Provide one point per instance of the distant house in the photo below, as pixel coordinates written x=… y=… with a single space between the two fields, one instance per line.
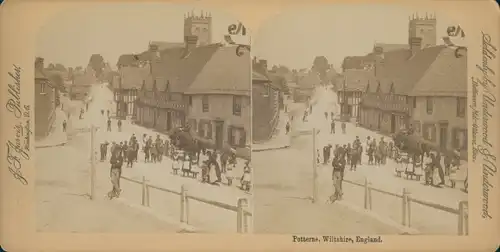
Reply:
x=45 y=101
x=306 y=83
x=350 y=90
x=265 y=103
x=125 y=85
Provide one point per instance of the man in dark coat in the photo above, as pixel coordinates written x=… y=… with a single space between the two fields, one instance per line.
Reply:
x=332 y=127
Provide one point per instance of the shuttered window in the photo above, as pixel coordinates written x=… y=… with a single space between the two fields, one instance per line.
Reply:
x=204 y=103
x=429 y=132
x=236 y=136
x=461 y=106
x=459 y=137
x=429 y=105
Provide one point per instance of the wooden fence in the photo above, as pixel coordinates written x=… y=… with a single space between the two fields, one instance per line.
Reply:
x=461 y=212
x=241 y=207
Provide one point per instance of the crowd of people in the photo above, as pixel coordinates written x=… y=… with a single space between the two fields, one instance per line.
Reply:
x=428 y=160
x=154 y=152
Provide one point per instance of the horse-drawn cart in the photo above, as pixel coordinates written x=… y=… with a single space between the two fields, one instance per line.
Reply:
x=408 y=155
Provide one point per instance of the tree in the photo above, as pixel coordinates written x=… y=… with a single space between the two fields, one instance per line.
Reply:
x=96 y=62
x=51 y=66
x=78 y=69
x=321 y=66
x=60 y=67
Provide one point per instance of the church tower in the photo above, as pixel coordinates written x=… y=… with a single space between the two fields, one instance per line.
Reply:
x=424 y=28
x=200 y=26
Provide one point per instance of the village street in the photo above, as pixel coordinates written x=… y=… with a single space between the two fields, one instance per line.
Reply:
x=204 y=217
x=288 y=173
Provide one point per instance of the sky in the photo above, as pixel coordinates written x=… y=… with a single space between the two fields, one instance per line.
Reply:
x=111 y=30
x=295 y=38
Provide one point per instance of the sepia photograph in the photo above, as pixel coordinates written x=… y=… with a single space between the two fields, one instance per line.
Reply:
x=361 y=126
x=249 y=126
x=142 y=122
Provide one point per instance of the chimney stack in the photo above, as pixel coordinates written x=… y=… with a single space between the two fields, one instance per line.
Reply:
x=415 y=45
x=191 y=42
x=263 y=64
x=39 y=63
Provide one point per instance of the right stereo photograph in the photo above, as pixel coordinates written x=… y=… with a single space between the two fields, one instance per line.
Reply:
x=359 y=123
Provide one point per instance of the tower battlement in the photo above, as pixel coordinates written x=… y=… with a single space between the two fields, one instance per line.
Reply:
x=429 y=17
x=203 y=16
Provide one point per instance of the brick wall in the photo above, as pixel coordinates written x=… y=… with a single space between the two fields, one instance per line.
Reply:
x=44 y=110
x=264 y=110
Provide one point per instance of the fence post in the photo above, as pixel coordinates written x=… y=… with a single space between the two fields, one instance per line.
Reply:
x=366 y=193
x=241 y=224
x=143 y=201
x=369 y=197
x=183 y=203
x=408 y=206
x=404 y=207
x=461 y=217
x=147 y=195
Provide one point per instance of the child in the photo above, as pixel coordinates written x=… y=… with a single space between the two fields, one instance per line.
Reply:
x=246 y=178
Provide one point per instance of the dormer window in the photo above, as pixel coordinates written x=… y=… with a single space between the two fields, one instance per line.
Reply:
x=42 y=88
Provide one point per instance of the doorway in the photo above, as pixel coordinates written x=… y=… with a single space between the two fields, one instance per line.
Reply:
x=169 y=120
x=393 y=123
x=219 y=134
x=443 y=135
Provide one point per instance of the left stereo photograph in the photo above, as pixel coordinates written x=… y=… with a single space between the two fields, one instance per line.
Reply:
x=143 y=121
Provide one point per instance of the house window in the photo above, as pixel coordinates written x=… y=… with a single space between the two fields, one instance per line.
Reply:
x=461 y=106
x=459 y=138
x=429 y=132
x=190 y=101
x=429 y=105
x=205 y=129
x=417 y=127
x=265 y=93
x=237 y=136
x=237 y=105
x=204 y=103
x=192 y=124
x=42 y=88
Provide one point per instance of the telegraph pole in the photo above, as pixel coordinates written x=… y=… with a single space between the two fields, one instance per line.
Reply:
x=315 y=170
x=93 y=130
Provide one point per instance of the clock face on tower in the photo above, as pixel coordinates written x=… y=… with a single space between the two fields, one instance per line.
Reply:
x=195 y=30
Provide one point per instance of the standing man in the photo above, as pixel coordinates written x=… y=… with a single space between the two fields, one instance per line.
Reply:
x=109 y=124
x=437 y=164
x=337 y=178
x=119 y=123
x=115 y=174
x=287 y=127
x=64 y=124
x=332 y=127
x=343 y=126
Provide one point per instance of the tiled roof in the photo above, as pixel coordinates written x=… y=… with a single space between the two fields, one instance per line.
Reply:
x=179 y=68
x=356 y=80
x=131 y=77
x=224 y=73
x=446 y=76
x=163 y=45
x=403 y=74
x=357 y=62
x=128 y=60
x=257 y=77
x=390 y=47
